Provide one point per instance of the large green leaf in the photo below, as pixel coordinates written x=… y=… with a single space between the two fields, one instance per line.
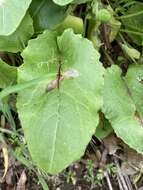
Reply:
x=11 y=14
x=17 y=41
x=59 y=124
x=123 y=104
x=46 y=14
x=62 y=2
x=134 y=23
x=8 y=74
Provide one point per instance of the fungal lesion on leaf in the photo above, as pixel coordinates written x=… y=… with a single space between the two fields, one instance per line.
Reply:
x=69 y=74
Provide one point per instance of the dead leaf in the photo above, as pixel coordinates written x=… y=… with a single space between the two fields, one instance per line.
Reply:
x=22 y=181
x=9 y=177
x=5 y=155
x=132 y=157
x=128 y=169
x=111 y=143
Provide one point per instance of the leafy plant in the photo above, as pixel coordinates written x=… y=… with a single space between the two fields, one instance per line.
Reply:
x=63 y=89
x=133 y=21
x=62 y=109
x=123 y=105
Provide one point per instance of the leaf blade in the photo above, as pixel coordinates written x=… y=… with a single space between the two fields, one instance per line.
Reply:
x=120 y=108
x=64 y=114
x=17 y=41
x=9 y=21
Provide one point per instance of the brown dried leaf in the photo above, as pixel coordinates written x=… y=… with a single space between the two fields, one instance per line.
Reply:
x=132 y=157
x=22 y=181
x=9 y=177
x=111 y=143
x=128 y=169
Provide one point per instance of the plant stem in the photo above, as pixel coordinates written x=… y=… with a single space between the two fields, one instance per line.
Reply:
x=108 y=57
x=131 y=15
x=132 y=32
x=2 y=130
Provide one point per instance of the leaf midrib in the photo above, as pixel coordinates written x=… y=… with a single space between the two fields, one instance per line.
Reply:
x=56 y=132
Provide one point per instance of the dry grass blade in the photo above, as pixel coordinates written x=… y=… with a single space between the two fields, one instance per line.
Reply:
x=5 y=155
x=108 y=181
x=22 y=181
x=123 y=183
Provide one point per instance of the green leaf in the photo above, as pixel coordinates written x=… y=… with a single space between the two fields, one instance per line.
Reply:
x=93 y=33
x=134 y=23
x=11 y=14
x=123 y=104
x=65 y=118
x=17 y=41
x=46 y=14
x=8 y=74
x=76 y=23
x=114 y=24
x=130 y=51
x=62 y=2
x=104 y=127
x=103 y=15
x=80 y=1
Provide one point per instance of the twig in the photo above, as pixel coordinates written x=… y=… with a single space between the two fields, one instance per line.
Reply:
x=119 y=182
x=128 y=182
x=108 y=180
x=125 y=187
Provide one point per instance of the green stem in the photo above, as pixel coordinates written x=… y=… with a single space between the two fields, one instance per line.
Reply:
x=43 y=182
x=131 y=32
x=131 y=15
x=108 y=57
x=2 y=130
x=24 y=85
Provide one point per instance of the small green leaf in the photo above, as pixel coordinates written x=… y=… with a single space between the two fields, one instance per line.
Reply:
x=76 y=23
x=103 y=15
x=104 y=127
x=64 y=118
x=131 y=52
x=11 y=14
x=94 y=33
x=114 y=25
x=46 y=14
x=8 y=74
x=17 y=41
x=123 y=104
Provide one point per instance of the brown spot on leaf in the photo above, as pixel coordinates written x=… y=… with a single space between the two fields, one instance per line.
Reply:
x=72 y=73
